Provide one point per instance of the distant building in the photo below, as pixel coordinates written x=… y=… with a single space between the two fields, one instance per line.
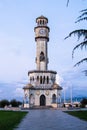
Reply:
x=42 y=89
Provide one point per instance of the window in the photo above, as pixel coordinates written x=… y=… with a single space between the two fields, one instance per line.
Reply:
x=40 y=79
x=54 y=98
x=33 y=78
x=40 y=22
x=42 y=58
x=44 y=80
x=47 y=80
x=37 y=78
x=43 y=22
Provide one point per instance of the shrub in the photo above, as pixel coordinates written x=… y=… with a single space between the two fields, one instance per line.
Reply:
x=83 y=102
x=15 y=103
x=4 y=103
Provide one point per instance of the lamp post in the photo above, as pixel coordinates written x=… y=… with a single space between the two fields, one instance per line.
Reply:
x=64 y=96
x=71 y=94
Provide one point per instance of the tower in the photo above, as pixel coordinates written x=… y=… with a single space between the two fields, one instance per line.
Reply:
x=41 y=38
x=42 y=89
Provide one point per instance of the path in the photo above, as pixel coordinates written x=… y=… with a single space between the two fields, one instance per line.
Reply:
x=51 y=120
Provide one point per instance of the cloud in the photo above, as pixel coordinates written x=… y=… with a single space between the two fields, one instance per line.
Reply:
x=76 y=80
x=18 y=92
x=59 y=79
x=1 y=91
x=11 y=90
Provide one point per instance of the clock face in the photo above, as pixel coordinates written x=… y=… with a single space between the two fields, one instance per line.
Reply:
x=42 y=31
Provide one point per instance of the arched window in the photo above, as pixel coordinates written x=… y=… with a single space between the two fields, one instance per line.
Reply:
x=42 y=58
x=37 y=78
x=47 y=79
x=44 y=80
x=40 y=22
x=33 y=78
x=40 y=79
x=42 y=100
x=54 y=98
x=43 y=22
x=30 y=78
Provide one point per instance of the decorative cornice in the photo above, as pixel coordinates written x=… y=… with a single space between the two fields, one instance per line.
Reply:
x=41 y=37
x=42 y=71
x=33 y=88
x=42 y=27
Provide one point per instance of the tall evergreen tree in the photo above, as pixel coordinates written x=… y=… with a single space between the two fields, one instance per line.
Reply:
x=80 y=33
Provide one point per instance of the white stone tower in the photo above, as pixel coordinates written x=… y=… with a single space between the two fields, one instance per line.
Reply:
x=42 y=89
x=41 y=38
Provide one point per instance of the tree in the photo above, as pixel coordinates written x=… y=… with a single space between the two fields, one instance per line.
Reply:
x=67 y=2
x=81 y=33
x=4 y=103
x=84 y=102
x=15 y=103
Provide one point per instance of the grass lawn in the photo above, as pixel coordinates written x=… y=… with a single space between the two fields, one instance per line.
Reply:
x=80 y=114
x=10 y=119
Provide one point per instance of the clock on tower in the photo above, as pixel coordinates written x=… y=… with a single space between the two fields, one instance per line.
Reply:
x=42 y=30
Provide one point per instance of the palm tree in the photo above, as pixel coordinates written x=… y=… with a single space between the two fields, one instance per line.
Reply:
x=80 y=33
x=67 y=2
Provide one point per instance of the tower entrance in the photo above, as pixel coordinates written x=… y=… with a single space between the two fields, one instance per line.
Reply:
x=42 y=100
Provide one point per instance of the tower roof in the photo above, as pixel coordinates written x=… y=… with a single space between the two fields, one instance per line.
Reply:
x=56 y=86
x=27 y=86
x=42 y=17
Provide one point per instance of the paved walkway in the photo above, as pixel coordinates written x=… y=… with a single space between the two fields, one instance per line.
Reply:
x=51 y=120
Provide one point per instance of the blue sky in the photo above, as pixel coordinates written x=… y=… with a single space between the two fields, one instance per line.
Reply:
x=18 y=48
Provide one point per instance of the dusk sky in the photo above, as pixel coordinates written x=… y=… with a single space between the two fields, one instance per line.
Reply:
x=18 y=47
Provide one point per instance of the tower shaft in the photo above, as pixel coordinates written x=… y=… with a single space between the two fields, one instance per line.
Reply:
x=41 y=54
x=41 y=38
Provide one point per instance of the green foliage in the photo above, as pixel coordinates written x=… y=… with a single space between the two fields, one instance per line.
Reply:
x=83 y=102
x=80 y=33
x=83 y=16
x=63 y=105
x=10 y=119
x=15 y=103
x=80 y=114
x=81 y=61
x=4 y=103
x=67 y=2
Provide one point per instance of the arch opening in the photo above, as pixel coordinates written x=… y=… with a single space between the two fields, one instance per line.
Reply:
x=54 y=98
x=42 y=100
x=42 y=57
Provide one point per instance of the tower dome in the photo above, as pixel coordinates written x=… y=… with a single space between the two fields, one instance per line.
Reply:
x=41 y=21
